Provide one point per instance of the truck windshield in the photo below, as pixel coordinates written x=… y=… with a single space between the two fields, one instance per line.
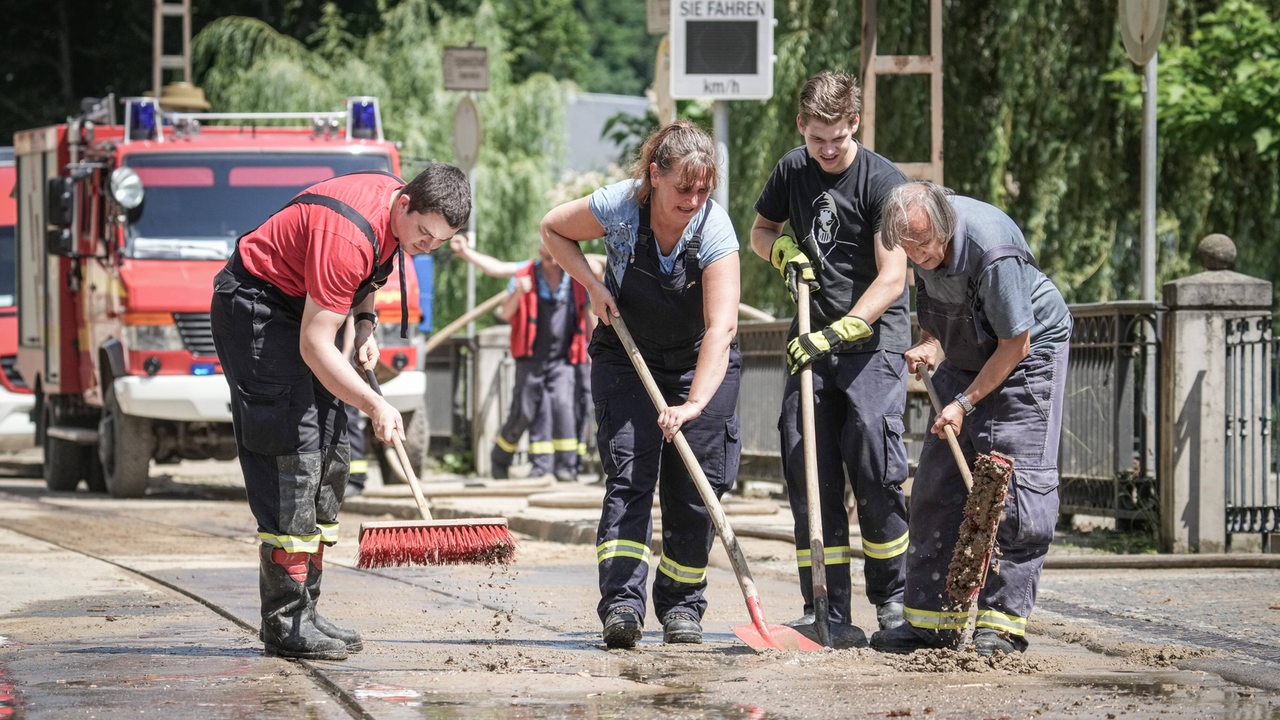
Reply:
x=8 y=273
x=197 y=204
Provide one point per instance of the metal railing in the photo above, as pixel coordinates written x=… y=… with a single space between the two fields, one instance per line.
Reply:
x=1252 y=375
x=1108 y=457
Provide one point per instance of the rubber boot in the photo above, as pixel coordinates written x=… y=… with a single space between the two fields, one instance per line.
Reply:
x=288 y=629
x=350 y=637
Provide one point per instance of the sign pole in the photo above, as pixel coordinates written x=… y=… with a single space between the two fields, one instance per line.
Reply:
x=1149 y=179
x=1141 y=24
x=720 y=117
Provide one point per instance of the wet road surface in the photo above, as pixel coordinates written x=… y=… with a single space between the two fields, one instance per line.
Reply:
x=149 y=607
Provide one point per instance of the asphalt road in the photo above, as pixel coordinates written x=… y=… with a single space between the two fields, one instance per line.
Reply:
x=149 y=607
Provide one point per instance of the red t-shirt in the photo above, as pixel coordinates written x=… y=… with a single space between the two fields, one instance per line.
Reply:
x=312 y=250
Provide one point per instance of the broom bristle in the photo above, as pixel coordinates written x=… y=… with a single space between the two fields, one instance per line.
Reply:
x=485 y=544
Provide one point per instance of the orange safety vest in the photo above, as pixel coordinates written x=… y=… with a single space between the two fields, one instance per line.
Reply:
x=524 y=324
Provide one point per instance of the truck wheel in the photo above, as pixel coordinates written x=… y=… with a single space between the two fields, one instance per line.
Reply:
x=93 y=473
x=417 y=440
x=61 y=457
x=415 y=447
x=124 y=447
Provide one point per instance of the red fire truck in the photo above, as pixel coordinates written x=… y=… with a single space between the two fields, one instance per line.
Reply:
x=121 y=228
x=16 y=428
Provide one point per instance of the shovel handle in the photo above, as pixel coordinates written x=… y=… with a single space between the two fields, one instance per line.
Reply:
x=448 y=330
x=961 y=463
x=813 y=501
x=714 y=508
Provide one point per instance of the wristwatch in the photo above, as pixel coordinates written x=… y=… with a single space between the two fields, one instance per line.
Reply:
x=964 y=403
x=371 y=317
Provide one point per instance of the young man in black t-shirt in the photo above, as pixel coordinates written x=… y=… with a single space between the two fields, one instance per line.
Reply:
x=829 y=191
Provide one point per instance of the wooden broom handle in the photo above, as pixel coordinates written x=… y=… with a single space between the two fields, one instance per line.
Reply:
x=961 y=463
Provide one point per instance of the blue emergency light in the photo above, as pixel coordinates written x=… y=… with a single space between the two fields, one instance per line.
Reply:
x=142 y=118
x=202 y=368
x=364 y=122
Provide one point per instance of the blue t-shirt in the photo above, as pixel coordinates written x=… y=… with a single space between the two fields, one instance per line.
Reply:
x=615 y=208
x=560 y=294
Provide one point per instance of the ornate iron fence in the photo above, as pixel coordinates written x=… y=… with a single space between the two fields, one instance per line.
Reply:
x=1252 y=481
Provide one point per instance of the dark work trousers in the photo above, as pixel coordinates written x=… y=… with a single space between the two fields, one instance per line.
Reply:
x=545 y=407
x=584 y=406
x=858 y=403
x=637 y=460
x=290 y=431
x=544 y=401
x=664 y=312
x=1021 y=419
x=355 y=441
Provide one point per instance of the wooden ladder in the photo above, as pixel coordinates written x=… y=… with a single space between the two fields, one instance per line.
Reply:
x=874 y=65
x=165 y=11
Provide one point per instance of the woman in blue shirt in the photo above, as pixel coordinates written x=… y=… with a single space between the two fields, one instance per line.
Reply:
x=672 y=271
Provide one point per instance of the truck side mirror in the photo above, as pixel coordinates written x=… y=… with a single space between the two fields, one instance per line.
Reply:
x=59 y=197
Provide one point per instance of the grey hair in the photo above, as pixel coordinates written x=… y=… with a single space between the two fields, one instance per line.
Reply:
x=921 y=195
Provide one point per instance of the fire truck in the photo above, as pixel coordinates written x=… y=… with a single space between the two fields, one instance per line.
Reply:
x=16 y=428
x=120 y=230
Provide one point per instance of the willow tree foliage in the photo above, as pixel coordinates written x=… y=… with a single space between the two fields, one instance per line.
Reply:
x=1035 y=123
x=245 y=65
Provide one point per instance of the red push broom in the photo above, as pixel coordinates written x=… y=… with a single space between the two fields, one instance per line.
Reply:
x=474 y=541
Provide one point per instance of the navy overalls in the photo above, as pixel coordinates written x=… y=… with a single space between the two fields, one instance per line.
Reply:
x=1022 y=419
x=665 y=316
x=545 y=401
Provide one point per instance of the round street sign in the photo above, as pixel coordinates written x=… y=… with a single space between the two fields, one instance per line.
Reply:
x=466 y=133
x=1141 y=24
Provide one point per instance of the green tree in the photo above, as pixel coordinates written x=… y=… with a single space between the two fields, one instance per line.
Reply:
x=544 y=36
x=1218 y=104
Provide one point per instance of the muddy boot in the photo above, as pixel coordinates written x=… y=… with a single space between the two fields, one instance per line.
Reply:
x=350 y=637
x=889 y=615
x=287 y=612
x=907 y=638
x=987 y=642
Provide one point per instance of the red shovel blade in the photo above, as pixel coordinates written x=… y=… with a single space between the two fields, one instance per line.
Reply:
x=759 y=635
x=778 y=637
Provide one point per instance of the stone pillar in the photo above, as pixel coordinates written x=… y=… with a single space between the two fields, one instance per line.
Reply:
x=1193 y=396
x=492 y=391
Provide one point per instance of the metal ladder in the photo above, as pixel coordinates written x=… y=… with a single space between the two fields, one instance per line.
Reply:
x=874 y=65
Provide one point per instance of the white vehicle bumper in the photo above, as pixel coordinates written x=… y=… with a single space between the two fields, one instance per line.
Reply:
x=186 y=398
x=406 y=391
x=183 y=398
x=17 y=432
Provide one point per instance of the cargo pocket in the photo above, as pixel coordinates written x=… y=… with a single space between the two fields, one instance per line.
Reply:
x=732 y=456
x=1034 y=508
x=264 y=418
x=895 y=451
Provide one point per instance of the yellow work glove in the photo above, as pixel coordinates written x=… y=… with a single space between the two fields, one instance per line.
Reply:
x=839 y=335
x=792 y=264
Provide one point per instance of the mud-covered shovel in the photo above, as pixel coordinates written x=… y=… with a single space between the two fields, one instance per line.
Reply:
x=759 y=634
x=983 y=509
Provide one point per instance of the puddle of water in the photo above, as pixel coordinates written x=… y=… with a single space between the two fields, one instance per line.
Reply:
x=665 y=706
x=1188 y=692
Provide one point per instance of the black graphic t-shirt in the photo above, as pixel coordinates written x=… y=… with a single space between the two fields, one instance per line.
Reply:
x=841 y=213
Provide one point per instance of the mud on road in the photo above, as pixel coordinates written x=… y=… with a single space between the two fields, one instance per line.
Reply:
x=150 y=607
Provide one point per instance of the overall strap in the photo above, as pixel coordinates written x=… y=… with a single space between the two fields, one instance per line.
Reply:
x=363 y=225
x=360 y=221
x=996 y=253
